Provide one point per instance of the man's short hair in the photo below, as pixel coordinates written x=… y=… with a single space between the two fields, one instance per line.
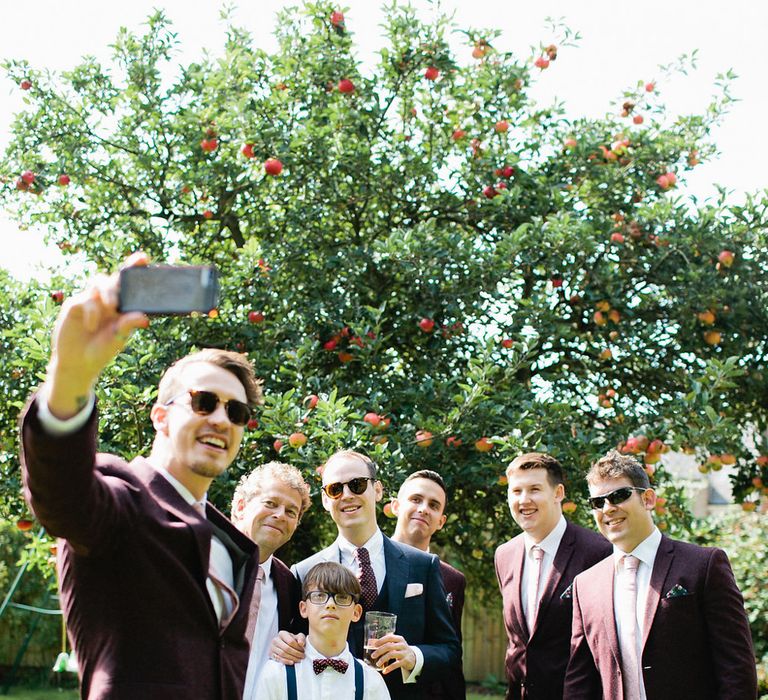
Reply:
x=615 y=465
x=331 y=577
x=351 y=454
x=539 y=460
x=234 y=362
x=426 y=474
x=251 y=485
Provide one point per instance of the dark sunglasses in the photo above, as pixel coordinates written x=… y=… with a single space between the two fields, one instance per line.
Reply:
x=614 y=497
x=205 y=402
x=356 y=486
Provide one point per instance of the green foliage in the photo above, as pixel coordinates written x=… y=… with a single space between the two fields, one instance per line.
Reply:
x=401 y=200
x=743 y=537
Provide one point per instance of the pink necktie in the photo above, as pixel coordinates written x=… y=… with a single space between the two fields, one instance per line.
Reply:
x=630 y=663
x=533 y=586
x=370 y=590
x=253 y=611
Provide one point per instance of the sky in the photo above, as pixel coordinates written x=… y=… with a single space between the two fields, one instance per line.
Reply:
x=621 y=42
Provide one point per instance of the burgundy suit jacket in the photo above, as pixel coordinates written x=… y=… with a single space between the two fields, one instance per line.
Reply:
x=453 y=686
x=696 y=640
x=288 y=595
x=133 y=563
x=536 y=662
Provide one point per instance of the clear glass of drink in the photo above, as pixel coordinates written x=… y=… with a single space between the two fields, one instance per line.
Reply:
x=377 y=625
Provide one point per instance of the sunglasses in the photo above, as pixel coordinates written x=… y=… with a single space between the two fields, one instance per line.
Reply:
x=614 y=497
x=342 y=600
x=205 y=402
x=356 y=486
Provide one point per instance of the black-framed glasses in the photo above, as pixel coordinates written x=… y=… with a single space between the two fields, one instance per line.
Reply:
x=342 y=600
x=205 y=402
x=357 y=486
x=614 y=497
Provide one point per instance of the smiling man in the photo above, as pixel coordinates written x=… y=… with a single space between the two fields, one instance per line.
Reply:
x=535 y=571
x=660 y=619
x=420 y=511
x=267 y=506
x=394 y=578
x=155 y=583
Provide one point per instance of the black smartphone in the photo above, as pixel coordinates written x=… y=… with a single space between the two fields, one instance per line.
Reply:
x=168 y=290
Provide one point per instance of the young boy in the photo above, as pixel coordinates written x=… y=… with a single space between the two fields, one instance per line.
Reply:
x=328 y=670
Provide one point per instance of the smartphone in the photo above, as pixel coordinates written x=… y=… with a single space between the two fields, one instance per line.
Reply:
x=168 y=290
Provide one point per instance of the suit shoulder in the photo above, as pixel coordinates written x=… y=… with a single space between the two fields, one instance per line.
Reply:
x=596 y=571
x=452 y=576
x=412 y=553
x=509 y=546
x=693 y=552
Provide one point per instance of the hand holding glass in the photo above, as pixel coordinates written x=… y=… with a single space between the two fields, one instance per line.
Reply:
x=377 y=625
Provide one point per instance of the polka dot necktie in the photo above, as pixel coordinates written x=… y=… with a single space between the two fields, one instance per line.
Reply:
x=368 y=585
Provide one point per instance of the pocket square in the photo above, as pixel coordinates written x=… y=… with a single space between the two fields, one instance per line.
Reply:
x=676 y=591
x=567 y=594
x=413 y=589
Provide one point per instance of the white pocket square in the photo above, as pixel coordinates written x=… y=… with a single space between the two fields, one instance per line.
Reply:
x=413 y=589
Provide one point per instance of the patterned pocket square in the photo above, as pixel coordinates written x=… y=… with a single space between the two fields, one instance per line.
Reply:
x=676 y=591
x=567 y=594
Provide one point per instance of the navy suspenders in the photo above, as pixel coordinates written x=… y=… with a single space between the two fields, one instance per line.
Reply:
x=290 y=675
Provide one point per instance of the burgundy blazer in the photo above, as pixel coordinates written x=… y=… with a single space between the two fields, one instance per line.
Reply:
x=696 y=640
x=536 y=662
x=452 y=686
x=288 y=595
x=132 y=564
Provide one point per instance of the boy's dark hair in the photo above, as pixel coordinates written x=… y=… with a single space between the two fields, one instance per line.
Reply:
x=428 y=474
x=539 y=460
x=331 y=577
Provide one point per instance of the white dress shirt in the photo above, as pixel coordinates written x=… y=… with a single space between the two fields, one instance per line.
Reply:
x=220 y=559
x=266 y=630
x=549 y=545
x=646 y=553
x=375 y=547
x=328 y=685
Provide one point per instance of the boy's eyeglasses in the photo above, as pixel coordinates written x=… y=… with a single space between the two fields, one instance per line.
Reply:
x=205 y=402
x=356 y=486
x=342 y=600
x=614 y=497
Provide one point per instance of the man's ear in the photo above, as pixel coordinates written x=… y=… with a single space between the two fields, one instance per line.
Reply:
x=357 y=612
x=395 y=506
x=378 y=490
x=159 y=416
x=649 y=499
x=303 y=609
x=326 y=501
x=559 y=493
x=441 y=522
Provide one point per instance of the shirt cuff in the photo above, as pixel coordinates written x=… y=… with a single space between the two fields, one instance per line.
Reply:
x=413 y=676
x=56 y=426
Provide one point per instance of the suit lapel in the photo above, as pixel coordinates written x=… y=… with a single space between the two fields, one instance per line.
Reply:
x=396 y=578
x=604 y=604
x=661 y=566
x=518 y=561
x=559 y=565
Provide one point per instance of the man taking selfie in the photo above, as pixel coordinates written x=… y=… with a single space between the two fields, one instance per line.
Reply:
x=155 y=583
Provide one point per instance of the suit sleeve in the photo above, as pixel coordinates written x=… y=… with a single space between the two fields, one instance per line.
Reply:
x=729 y=635
x=65 y=491
x=582 y=679
x=441 y=647
x=458 y=605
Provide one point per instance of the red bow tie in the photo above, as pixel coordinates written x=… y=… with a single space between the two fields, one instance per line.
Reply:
x=319 y=665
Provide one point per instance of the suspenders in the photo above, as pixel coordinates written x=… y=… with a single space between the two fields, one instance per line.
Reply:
x=290 y=675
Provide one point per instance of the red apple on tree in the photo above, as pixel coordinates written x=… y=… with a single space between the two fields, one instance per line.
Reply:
x=337 y=19
x=501 y=126
x=423 y=438
x=427 y=325
x=649 y=87
x=209 y=145
x=483 y=444
x=25 y=85
x=507 y=343
x=490 y=192
x=346 y=86
x=57 y=296
x=725 y=258
x=63 y=180
x=255 y=316
x=247 y=150
x=24 y=524
x=638 y=119
x=373 y=419
x=277 y=445
x=272 y=166
x=207 y=214
x=431 y=73
x=458 y=134
x=388 y=510
x=253 y=424
x=541 y=63
x=312 y=400
x=297 y=440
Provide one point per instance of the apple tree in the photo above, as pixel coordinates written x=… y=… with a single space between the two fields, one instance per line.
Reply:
x=422 y=262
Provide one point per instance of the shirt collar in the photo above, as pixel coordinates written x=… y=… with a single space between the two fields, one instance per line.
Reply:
x=374 y=545
x=645 y=551
x=311 y=653
x=551 y=542
x=182 y=490
x=267 y=566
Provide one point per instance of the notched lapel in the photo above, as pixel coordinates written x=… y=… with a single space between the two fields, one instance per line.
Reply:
x=396 y=579
x=661 y=566
x=559 y=566
x=518 y=560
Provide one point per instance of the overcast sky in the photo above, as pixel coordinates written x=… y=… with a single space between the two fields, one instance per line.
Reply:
x=622 y=42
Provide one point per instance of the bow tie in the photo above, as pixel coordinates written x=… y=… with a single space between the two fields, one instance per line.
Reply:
x=319 y=665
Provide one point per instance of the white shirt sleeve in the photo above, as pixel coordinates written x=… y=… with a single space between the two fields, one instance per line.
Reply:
x=272 y=683
x=375 y=687
x=57 y=426
x=413 y=676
